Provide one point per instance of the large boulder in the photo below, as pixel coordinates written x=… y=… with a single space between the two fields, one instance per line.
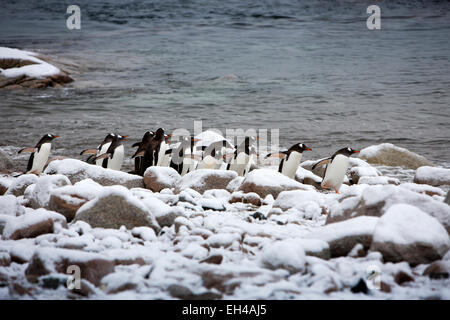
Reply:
x=266 y=181
x=93 y=266
x=390 y=155
x=356 y=173
x=68 y=199
x=21 y=183
x=206 y=179
x=343 y=236
x=37 y=195
x=32 y=224
x=405 y=233
x=158 y=178
x=116 y=206
x=77 y=170
x=432 y=176
x=376 y=200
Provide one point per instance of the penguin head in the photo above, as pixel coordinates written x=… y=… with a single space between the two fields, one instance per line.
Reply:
x=48 y=138
x=300 y=147
x=347 y=151
x=159 y=133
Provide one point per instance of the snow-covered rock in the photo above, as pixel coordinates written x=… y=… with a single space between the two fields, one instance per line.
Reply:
x=68 y=199
x=356 y=173
x=316 y=248
x=235 y=184
x=32 y=224
x=45 y=261
x=423 y=189
x=285 y=254
x=10 y=205
x=206 y=179
x=164 y=214
x=376 y=200
x=37 y=195
x=116 y=206
x=307 y=177
x=251 y=198
x=438 y=270
x=77 y=170
x=405 y=233
x=159 y=178
x=22 y=69
x=432 y=176
x=343 y=236
x=392 y=155
x=372 y=180
x=21 y=183
x=266 y=181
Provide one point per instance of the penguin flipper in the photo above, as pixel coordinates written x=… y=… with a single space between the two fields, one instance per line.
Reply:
x=168 y=151
x=137 y=144
x=88 y=151
x=139 y=153
x=280 y=154
x=27 y=150
x=103 y=156
x=321 y=163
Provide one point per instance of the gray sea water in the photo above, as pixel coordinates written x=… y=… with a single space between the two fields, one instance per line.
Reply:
x=310 y=68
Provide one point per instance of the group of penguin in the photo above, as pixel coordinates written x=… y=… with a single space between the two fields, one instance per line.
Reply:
x=154 y=149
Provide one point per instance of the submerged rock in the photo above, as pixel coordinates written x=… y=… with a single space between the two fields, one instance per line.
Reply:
x=116 y=206
x=432 y=176
x=77 y=170
x=265 y=181
x=390 y=155
x=405 y=233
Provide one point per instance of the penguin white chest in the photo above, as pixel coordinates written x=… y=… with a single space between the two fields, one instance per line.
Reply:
x=239 y=164
x=163 y=158
x=102 y=150
x=208 y=162
x=290 y=165
x=335 y=172
x=40 y=158
x=116 y=161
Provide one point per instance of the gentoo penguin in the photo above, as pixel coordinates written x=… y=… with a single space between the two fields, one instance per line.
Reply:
x=149 y=150
x=242 y=156
x=113 y=157
x=39 y=154
x=163 y=158
x=212 y=154
x=182 y=156
x=101 y=149
x=139 y=154
x=290 y=159
x=336 y=169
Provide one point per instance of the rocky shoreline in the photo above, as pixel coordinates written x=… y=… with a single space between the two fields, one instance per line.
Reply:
x=213 y=235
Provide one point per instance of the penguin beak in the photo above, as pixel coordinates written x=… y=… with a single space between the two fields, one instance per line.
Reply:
x=308 y=149
x=124 y=138
x=355 y=151
x=257 y=138
x=196 y=140
x=54 y=137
